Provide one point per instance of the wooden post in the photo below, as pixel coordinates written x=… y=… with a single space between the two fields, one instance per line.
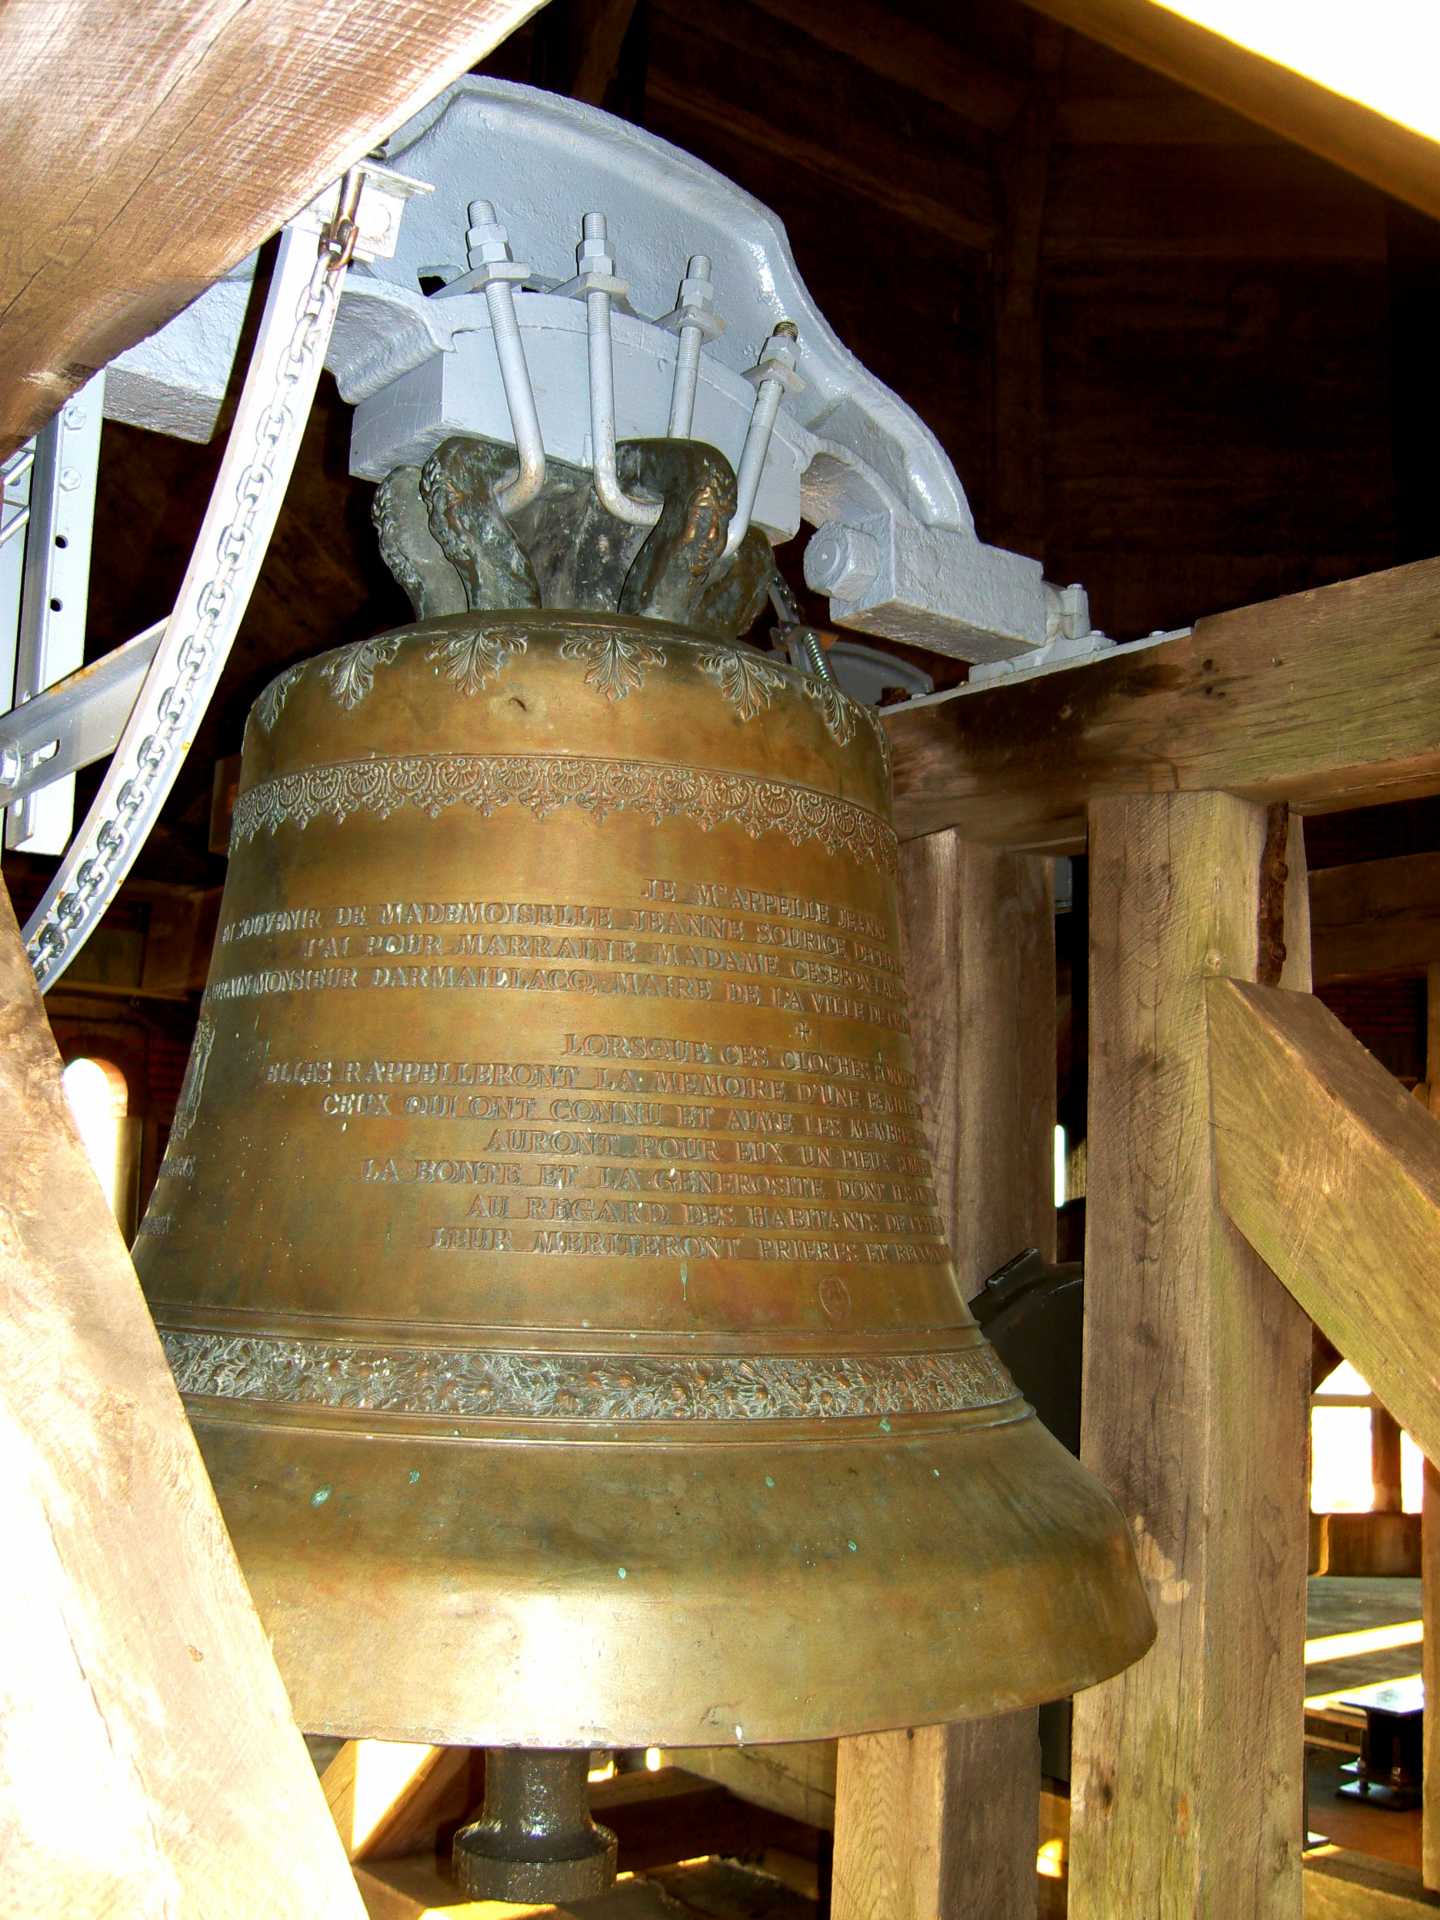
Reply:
x=1430 y=1525
x=1187 y=1773
x=941 y=1823
x=1430 y=1673
x=1385 y=1462
x=148 y=1759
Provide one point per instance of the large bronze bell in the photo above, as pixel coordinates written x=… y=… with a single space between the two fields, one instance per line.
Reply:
x=546 y=1246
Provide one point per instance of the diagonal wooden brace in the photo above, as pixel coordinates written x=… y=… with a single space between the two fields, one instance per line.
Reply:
x=1331 y=1170
x=149 y=1761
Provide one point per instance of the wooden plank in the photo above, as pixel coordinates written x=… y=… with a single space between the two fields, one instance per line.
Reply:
x=1187 y=1769
x=600 y=27
x=944 y=1820
x=899 y=47
x=965 y=220
x=660 y=1818
x=1429 y=1093
x=723 y=1890
x=148 y=1759
x=1382 y=916
x=980 y=966
x=1385 y=1462
x=420 y=1888
x=1327 y=699
x=1209 y=203
x=146 y=149
x=1340 y=1885
x=1331 y=1170
x=416 y=1889
x=1017 y=516
x=387 y=1798
x=902 y=1803
x=797 y=1779
x=1352 y=136
x=1430 y=1674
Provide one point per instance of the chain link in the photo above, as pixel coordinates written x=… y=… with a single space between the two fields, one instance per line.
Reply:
x=71 y=910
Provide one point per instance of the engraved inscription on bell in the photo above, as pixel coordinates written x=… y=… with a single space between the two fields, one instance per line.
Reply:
x=680 y=990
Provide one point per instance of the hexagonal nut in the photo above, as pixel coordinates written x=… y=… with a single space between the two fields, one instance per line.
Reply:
x=695 y=293
x=487 y=241
x=710 y=324
x=841 y=561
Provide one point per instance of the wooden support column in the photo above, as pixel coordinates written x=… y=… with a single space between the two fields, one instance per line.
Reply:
x=1385 y=1462
x=1016 y=516
x=1430 y=1521
x=1187 y=1769
x=149 y=1763
x=941 y=1823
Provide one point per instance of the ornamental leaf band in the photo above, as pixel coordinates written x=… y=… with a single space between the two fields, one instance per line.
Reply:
x=544 y=783
x=269 y=1369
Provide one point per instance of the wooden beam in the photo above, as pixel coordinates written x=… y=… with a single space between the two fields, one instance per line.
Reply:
x=1327 y=699
x=147 y=149
x=1379 y=150
x=942 y=1820
x=577 y=47
x=897 y=46
x=965 y=219
x=1187 y=1770
x=387 y=1799
x=1331 y=1170
x=1017 y=516
x=671 y=1815
x=1381 y=916
x=1430 y=1674
x=418 y=1889
x=607 y=22
x=1429 y=1093
x=1385 y=1469
x=1340 y=1885
x=797 y=1779
x=980 y=966
x=148 y=1758
x=1337 y=1884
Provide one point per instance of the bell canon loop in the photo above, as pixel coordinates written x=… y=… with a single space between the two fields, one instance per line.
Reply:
x=546 y=1245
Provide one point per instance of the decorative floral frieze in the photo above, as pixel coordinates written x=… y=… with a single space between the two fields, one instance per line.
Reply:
x=480 y=1383
x=433 y=782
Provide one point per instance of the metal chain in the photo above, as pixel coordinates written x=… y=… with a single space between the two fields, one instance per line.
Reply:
x=52 y=931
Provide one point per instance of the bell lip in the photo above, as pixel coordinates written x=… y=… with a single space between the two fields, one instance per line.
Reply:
x=1028 y=1592
x=975 y=1707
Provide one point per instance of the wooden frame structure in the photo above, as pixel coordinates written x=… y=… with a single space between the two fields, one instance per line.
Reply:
x=1241 y=1139
x=1248 y=1159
